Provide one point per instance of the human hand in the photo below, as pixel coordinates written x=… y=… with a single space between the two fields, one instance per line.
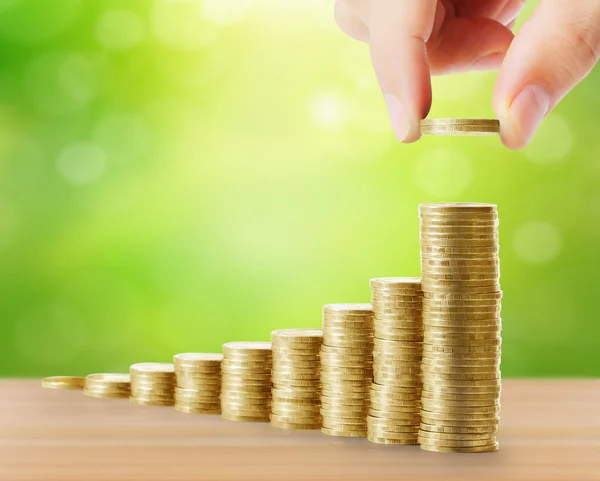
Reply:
x=410 y=40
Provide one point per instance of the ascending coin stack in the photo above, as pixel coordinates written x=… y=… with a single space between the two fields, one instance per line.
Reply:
x=394 y=414
x=108 y=385
x=346 y=368
x=246 y=381
x=461 y=316
x=198 y=389
x=296 y=376
x=153 y=384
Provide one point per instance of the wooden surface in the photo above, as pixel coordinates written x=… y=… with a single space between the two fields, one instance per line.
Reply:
x=549 y=430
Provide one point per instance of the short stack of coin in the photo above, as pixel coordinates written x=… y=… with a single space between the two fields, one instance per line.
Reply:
x=153 y=384
x=462 y=326
x=246 y=381
x=108 y=385
x=69 y=383
x=346 y=368
x=394 y=414
x=296 y=376
x=198 y=389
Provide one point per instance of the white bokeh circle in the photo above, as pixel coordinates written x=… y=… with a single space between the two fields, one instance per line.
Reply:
x=537 y=242
x=328 y=109
x=82 y=163
x=444 y=173
x=119 y=29
x=552 y=141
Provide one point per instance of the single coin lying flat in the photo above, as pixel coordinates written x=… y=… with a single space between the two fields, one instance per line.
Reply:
x=63 y=382
x=460 y=126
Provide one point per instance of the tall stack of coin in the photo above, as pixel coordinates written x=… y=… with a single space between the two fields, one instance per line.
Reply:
x=246 y=381
x=198 y=389
x=398 y=345
x=108 y=385
x=296 y=378
x=346 y=368
x=461 y=317
x=153 y=384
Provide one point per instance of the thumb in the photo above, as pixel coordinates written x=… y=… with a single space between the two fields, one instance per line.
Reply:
x=556 y=49
x=398 y=32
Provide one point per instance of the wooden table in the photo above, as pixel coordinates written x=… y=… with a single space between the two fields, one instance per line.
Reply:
x=550 y=430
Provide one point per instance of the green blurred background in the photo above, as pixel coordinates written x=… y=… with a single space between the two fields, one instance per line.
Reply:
x=176 y=174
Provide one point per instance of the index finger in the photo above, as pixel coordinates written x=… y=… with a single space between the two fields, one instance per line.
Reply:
x=399 y=32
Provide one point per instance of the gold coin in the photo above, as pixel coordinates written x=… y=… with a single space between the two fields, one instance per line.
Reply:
x=346 y=412
x=460 y=414
x=106 y=394
x=453 y=127
x=478 y=449
x=298 y=335
x=295 y=409
x=345 y=309
x=457 y=208
x=412 y=417
x=454 y=298
x=294 y=393
x=252 y=419
x=225 y=388
x=399 y=337
x=195 y=410
x=460 y=364
x=459 y=407
x=379 y=440
x=154 y=368
x=453 y=341
x=197 y=359
x=344 y=425
x=490 y=227
x=247 y=348
x=394 y=425
x=279 y=418
x=408 y=283
x=455 y=437
x=343 y=351
x=435 y=428
x=472 y=243
x=414 y=408
x=247 y=413
x=343 y=433
x=345 y=394
x=429 y=438
x=153 y=402
x=296 y=426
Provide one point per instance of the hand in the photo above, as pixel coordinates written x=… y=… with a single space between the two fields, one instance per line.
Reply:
x=410 y=40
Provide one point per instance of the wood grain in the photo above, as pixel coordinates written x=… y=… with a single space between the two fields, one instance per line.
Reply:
x=549 y=430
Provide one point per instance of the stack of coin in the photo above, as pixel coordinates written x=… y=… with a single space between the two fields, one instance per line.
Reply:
x=153 y=384
x=246 y=381
x=346 y=368
x=461 y=317
x=296 y=389
x=198 y=389
x=398 y=345
x=108 y=385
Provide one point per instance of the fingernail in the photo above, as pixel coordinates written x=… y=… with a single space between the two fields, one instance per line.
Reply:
x=528 y=109
x=510 y=11
x=398 y=117
x=493 y=61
